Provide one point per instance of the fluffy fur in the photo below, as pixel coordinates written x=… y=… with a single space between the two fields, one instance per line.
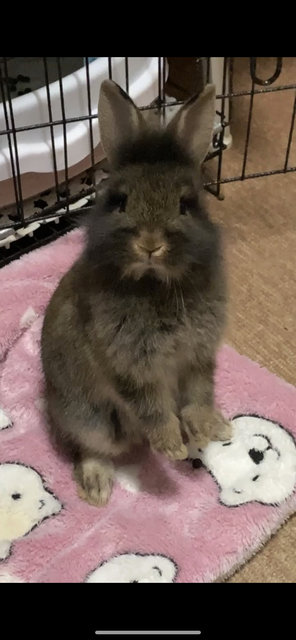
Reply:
x=130 y=336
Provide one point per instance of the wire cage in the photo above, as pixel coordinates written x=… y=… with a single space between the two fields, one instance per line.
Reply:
x=51 y=160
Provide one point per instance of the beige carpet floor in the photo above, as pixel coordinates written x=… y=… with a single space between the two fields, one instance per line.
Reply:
x=258 y=218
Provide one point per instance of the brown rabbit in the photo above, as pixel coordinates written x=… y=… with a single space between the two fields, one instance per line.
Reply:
x=130 y=335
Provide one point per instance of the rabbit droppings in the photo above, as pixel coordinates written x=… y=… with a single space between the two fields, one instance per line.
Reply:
x=131 y=333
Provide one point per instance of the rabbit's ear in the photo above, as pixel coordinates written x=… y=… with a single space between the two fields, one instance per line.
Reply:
x=193 y=124
x=119 y=118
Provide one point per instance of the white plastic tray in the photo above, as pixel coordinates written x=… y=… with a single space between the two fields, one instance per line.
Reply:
x=34 y=146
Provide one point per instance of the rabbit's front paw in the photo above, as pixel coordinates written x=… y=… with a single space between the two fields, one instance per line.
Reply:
x=221 y=427
x=94 y=478
x=203 y=424
x=168 y=440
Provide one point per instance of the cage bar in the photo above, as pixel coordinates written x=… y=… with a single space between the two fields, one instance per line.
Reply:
x=54 y=158
x=91 y=137
x=8 y=133
x=290 y=134
x=253 y=76
x=64 y=124
x=20 y=204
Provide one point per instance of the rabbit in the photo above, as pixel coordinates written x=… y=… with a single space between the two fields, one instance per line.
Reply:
x=130 y=335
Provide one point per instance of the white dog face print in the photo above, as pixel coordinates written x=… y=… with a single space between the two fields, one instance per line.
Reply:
x=135 y=567
x=257 y=464
x=24 y=503
x=5 y=421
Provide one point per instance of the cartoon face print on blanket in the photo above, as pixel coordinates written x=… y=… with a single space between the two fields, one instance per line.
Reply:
x=24 y=503
x=257 y=464
x=5 y=421
x=135 y=567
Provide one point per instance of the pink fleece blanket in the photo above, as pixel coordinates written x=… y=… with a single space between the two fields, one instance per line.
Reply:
x=165 y=522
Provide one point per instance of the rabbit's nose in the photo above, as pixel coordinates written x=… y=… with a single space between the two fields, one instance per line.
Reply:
x=151 y=251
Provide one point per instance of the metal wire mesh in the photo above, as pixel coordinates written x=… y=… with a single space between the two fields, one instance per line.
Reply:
x=60 y=180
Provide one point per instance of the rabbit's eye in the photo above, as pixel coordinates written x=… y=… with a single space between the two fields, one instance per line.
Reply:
x=117 y=200
x=123 y=201
x=187 y=204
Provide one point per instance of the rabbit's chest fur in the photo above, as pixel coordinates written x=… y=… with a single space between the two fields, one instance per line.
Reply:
x=152 y=338
x=96 y=334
